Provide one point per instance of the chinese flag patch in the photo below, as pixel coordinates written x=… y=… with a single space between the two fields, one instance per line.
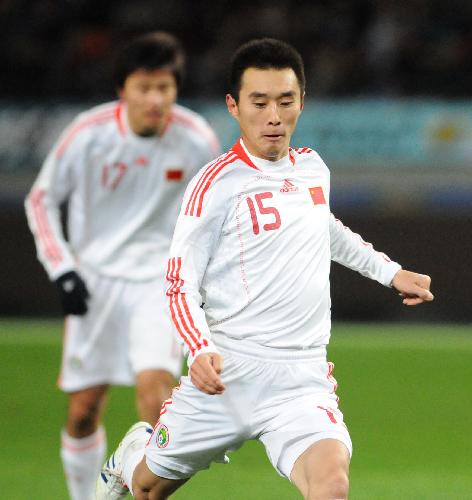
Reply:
x=174 y=175
x=317 y=195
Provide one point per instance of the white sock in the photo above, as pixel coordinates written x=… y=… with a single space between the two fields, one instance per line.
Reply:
x=82 y=459
x=130 y=462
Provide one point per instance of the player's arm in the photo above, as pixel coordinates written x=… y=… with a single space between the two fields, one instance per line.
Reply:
x=350 y=250
x=42 y=204
x=194 y=241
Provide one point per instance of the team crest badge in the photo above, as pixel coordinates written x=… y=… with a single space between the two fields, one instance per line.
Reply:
x=162 y=436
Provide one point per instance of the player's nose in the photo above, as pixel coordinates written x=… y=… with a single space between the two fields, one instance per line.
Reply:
x=273 y=114
x=156 y=99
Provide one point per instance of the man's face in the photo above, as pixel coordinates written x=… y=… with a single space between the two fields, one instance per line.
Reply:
x=150 y=96
x=270 y=103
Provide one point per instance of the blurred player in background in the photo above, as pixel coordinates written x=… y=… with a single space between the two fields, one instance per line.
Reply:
x=249 y=295
x=122 y=167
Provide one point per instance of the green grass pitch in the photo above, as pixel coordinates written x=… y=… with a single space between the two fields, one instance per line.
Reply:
x=405 y=392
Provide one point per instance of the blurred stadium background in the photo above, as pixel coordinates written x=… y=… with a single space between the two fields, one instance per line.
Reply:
x=389 y=108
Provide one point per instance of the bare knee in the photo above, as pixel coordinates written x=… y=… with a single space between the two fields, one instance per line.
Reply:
x=85 y=411
x=333 y=486
x=322 y=471
x=148 y=486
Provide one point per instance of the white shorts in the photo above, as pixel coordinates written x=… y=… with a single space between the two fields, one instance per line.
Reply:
x=288 y=404
x=126 y=330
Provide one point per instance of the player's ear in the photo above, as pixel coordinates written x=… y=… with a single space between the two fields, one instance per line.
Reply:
x=120 y=92
x=232 y=106
x=302 y=101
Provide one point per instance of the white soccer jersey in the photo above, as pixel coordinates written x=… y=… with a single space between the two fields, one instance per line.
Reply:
x=250 y=257
x=124 y=192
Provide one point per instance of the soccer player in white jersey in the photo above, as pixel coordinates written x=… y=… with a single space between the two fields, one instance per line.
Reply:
x=248 y=292
x=123 y=168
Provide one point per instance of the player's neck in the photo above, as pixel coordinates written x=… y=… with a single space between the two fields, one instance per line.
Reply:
x=254 y=154
x=145 y=132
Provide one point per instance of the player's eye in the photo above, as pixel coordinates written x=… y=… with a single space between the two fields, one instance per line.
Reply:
x=286 y=104
x=259 y=104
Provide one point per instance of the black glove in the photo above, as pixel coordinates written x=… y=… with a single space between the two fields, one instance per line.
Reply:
x=73 y=293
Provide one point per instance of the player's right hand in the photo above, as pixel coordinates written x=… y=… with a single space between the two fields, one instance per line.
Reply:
x=205 y=373
x=73 y=293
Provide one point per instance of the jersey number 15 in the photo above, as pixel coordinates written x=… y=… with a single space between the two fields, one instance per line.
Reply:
x=263 y=210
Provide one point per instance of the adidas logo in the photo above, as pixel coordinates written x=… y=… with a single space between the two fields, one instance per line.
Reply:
x=288 y=187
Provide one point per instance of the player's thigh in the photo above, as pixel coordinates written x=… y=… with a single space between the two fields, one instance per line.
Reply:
x=324 y=466
x=153 y=345
x=96 y=345
x=307 y=414
x=153 y=387
x=154 y=382
x=194 y=430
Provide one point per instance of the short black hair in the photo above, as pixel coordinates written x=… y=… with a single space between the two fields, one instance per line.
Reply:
x=156 y=50
x=264 y=53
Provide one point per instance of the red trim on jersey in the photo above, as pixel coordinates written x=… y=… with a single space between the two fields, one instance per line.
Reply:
x=44 y=232
x=119 y=116
x=291 y=156
x=385 y=257
x=184 y=323
x=329 y=413
x=330 y=376
x=180 y=310
x=304 y=150
x=172 y=277
x=100 y=116
x=239 y=150
x=215 y=172
x=163 y=407
x=166 y=126
x=191 y=201
x=204 y=341
x=207 y=177
x=180 y=116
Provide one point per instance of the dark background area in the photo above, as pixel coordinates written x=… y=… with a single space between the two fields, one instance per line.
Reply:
x=61 y=48
x=61 y=52
x=439 y=246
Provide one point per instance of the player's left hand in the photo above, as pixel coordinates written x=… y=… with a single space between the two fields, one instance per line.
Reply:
x=413 y=287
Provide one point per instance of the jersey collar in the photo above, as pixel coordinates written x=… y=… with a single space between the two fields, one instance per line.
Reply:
x=120 y=115
x=240 y=149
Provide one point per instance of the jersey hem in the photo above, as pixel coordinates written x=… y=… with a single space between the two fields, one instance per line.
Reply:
x=253 y=350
